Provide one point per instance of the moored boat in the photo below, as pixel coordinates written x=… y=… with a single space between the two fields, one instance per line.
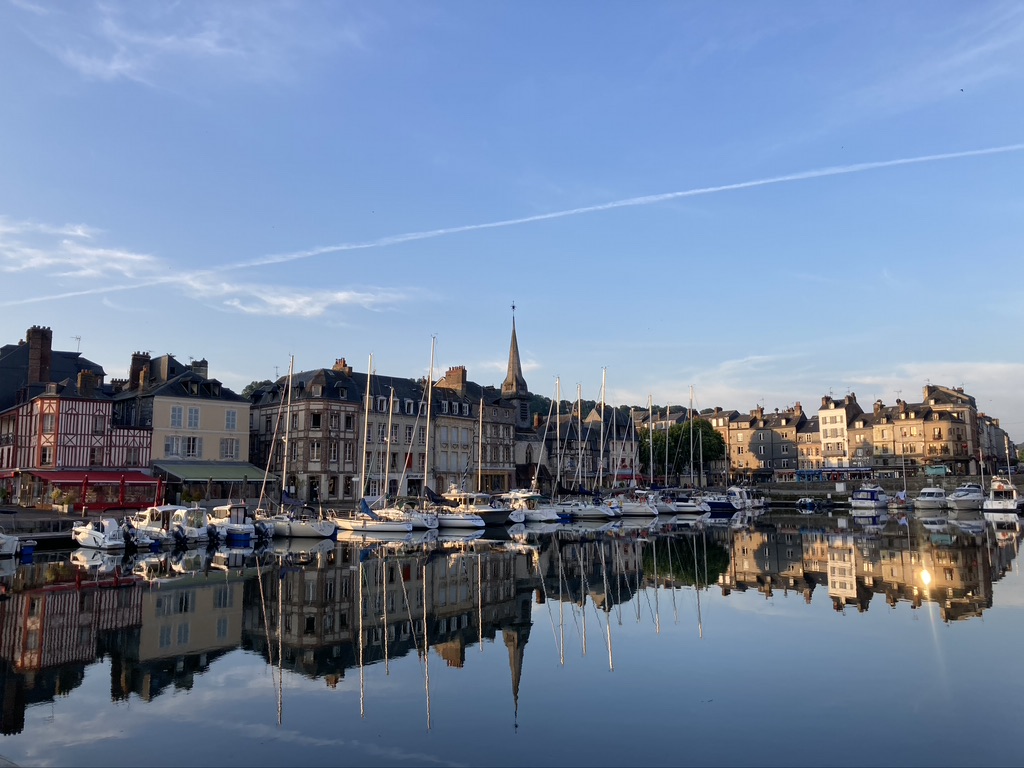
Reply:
x=967 y=496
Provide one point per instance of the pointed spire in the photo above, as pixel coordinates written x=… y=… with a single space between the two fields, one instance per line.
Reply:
x=514 y=384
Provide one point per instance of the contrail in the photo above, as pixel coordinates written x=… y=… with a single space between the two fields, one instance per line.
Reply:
x=839 y=170
x=627 y=203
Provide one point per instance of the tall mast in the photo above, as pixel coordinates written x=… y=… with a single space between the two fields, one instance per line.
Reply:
x=430 y=392
x=366 y=427
x=600 y=465
x=558 y=434
x=668 y=424
x=650 y=432
x=287 y=431
x=689 y=420
x=387 y=443
x=480 y=450
x=579 y=435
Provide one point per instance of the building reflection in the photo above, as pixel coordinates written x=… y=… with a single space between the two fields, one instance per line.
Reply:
x=938 y=564
x=323 y=609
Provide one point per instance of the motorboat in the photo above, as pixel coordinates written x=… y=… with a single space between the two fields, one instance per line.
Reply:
x=1000 y=508
x=192 y=525
x=235 y=525
x=154 y=522
x=806 y=505
x=930 y=498
x=967 y=496
x=302 y=523
x=421 y=519
x=673 y=501
x=489 y=508
x=11 y=545
x=1002 y=496
x=104 y=533
x=535 y=507
x=869 y=496
x=638 y=504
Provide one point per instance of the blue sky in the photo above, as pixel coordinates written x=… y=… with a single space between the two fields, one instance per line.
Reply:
x=767 y=202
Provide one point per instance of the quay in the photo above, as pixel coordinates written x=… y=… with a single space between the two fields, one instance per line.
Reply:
x=50 y=529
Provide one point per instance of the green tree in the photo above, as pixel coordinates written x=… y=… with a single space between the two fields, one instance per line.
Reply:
x=707 y=444
x=252 y=386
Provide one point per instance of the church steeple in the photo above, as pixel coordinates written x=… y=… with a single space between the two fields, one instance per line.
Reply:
x=514 y=386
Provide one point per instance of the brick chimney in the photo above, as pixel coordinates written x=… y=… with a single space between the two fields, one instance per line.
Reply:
x=798 y=410
x=40 y=354
x=201 y=368
x=86 y=384
x=343 y=367
x=878 y=407
x=455 y=379
x=140 y=363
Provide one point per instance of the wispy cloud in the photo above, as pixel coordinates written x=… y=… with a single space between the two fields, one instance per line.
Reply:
x=265 y=301
x=142 y=42
x=985 y=48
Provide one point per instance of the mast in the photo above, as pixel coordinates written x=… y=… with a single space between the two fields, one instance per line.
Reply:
x=689 y=419
x=480 y=450
x=650 y=433
x=387 y=455
x=558 y=434
x=579 y=436
x=600 y=465
x=430 y=392
x=366 y=427
x=287 y=432
x=668 y=424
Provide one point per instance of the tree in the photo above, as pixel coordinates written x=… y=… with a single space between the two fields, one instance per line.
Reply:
x=708 y=445
x=252 y=386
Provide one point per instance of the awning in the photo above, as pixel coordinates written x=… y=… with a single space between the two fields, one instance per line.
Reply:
x=6 y=474
x=103 y=477
x=205 y=471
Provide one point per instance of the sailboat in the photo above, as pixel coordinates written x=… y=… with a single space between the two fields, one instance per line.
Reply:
x=363 y=518
x=288 y=522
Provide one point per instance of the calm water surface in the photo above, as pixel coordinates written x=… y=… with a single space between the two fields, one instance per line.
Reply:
x=795 y=642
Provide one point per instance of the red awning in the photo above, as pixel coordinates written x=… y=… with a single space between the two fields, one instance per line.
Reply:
x=6 y=474
x=95 y=478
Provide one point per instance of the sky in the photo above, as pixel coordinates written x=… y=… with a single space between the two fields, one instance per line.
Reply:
x=765 y=203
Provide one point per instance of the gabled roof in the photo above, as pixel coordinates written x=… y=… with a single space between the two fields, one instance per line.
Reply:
x=14 y=372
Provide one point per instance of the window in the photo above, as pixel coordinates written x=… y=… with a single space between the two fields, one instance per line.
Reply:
x=193 y=447
x=314 y=420
x=266 y=424
x=46 y=456
x=465 y=436
x=230 y=448
x=408 y=407
x=408 y=435
x=350 y=422
x=382 y=404
x=465 y=409
x=193 y=418
x=444 y=406
x=314 y=450
x=183 y=633
x=348 y=453
x=176 y=416
x=172 y=446
x=230 y=420
x=165 y=636
x=132 y=457
x=95 y=457
x=382 y=433
x=49 y=421
x=222 y=628
x=333 y=457
x=421 y=437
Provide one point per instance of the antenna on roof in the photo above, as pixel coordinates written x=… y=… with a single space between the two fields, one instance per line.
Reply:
x=78 y=343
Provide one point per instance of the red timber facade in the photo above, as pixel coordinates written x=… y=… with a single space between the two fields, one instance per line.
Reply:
x=56 y=429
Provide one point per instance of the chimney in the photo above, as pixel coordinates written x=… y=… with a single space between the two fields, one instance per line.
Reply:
x=798 y=410
x=824 y=401
x=86 y=383
x=40 y=354
x=878 y=407
x=201 y=368
x=342 y=367
x=140 y=362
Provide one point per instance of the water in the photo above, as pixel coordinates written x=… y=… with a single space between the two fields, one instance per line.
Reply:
x=580 y=647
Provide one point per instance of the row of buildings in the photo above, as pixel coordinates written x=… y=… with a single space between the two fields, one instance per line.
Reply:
x=69 y=436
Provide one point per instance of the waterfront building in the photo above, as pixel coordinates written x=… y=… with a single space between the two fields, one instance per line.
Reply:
x=58 y=429
x=196 y=428
x=808 y=441
x=834 y=418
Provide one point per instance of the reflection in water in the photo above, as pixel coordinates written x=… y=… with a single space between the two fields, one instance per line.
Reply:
x=324 y=609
